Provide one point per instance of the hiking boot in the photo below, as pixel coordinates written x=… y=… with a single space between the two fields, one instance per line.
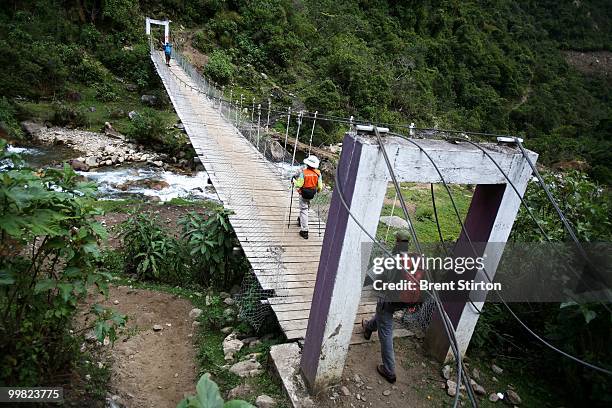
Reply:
x=366 y=333
x=387 y=376
x=304 y=234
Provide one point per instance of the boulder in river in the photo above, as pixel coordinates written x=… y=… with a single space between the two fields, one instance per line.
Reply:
x=31 y=128
x=79 y=165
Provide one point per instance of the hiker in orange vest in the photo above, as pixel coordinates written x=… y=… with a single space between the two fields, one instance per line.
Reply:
x=308 y=182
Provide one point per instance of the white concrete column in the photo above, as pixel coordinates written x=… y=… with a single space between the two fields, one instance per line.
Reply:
x=363 y=179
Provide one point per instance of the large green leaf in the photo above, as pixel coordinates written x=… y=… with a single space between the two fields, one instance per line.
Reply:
x=208 y=393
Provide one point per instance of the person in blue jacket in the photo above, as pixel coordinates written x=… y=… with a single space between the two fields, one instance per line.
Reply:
x=168 y=52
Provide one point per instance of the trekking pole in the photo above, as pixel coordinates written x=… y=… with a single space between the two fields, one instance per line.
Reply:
x=319 y=215
x=290 y=206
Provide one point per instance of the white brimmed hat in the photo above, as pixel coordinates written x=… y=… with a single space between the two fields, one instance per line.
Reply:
x=312 y=161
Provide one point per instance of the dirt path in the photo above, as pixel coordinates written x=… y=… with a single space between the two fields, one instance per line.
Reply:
x=151 y=368
x=418 y=380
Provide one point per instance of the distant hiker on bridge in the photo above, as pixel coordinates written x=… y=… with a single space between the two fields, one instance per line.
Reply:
x=308 y=182
x=168 y=52
x=389 y=303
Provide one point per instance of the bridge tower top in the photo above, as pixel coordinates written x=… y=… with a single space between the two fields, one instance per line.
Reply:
x=165 y=23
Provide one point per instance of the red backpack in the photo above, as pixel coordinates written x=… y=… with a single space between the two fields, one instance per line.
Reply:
x=411 y=296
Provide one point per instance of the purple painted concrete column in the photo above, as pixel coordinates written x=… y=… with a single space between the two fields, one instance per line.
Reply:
x=479 y=225
x=337 y=293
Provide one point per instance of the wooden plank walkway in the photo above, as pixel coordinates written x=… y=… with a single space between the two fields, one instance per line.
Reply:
x=254 y=189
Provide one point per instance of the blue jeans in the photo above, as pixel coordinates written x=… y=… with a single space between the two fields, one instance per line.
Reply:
x=383 y=323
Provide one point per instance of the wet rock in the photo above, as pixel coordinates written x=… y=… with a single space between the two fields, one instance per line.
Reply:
x=264 y=76
x=513 y=397
x=247 y=341
x=240 y=392
x=277 y=151
x=497 y=370
x=150 y=100
x=31 y=128
x=265 y=401
x=195 y=313
x=248 y=368
x=79 y=165
x=158 y=163
x=345 y=391
x=159 y=185
x=91 y=161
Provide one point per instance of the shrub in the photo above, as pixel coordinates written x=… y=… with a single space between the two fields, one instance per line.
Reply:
x=149 y=251
x=200 y=41
x=202 y=254
x=219 y=67
x=105 y=92
x=48 y=249
x=90 y=71
x=64 y=115
x=147 y=127
x=8 y=122
x=209 y=245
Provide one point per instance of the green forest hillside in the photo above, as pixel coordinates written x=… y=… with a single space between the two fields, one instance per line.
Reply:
x=493 y=66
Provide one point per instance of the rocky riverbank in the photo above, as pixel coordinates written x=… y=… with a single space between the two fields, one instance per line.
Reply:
x=106 y=149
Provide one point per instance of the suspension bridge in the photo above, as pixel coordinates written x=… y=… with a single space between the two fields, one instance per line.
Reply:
x=259 y=196
x=310 y=284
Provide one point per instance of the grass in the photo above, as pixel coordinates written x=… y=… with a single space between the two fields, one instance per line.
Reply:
x=124 y=206
x=114 y=110
x=419 y=202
